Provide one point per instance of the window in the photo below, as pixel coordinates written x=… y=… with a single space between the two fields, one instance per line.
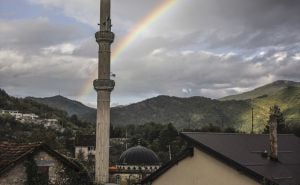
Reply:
x=91 y=148
x=118 y=179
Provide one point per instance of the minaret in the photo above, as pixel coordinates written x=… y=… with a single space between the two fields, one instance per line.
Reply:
x=103 y=85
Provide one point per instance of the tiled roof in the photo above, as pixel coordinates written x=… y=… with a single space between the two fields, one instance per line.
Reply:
x=13 y=153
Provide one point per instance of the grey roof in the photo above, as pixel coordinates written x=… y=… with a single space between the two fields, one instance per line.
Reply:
x=244 y=151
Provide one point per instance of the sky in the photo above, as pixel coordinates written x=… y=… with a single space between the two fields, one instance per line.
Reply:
x=208 y=48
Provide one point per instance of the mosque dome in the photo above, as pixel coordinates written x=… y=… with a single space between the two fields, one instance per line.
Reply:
x=138 y=155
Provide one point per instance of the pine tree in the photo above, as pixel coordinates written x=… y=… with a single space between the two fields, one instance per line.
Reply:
x=276 y=112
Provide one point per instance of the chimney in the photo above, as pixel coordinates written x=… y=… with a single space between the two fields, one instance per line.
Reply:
x=273 y=137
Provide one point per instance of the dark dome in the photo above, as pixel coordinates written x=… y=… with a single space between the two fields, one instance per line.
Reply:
x=138 y=155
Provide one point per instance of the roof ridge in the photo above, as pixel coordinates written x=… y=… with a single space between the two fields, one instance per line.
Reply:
x=224 y=133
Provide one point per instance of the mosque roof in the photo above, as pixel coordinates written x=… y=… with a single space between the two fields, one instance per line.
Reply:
x=139 y=155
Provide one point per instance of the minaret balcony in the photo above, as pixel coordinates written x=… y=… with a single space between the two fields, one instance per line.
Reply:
x=104 y=85
x=105 y=36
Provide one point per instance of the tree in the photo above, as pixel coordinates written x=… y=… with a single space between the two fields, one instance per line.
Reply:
x=275 y=113
x=211 y=128
x=80 y=156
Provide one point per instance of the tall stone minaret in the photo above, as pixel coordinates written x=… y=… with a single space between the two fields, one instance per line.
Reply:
x=103 y=85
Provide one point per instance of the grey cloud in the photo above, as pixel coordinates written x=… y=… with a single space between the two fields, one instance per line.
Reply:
x=37 y=74
x=204 y=73
x=33 y=35
x=198 y=47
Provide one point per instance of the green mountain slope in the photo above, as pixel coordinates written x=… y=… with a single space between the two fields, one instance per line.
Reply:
x=72 y=107
x=285 y=94
x=268 y=89
x=288 y=99
x=196 y=112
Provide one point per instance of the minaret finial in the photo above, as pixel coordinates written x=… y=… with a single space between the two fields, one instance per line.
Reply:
x=105 y=20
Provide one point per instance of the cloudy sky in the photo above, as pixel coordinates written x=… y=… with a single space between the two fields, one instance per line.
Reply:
x=209 y=48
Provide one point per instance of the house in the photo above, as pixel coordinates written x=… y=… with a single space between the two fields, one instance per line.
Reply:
x=30 y=116
x=13 y=113
x=52 y=123
x=85 y=147
x=20 y=162
x=20 y=116
x=235 y=159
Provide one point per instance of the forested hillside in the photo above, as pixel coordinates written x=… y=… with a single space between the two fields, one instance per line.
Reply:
x=197 y=112
x=13 y=130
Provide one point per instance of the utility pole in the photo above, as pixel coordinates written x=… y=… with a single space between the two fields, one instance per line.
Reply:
x=126 y=137
x=252 y=117
x=170 y=153
x=252 y=120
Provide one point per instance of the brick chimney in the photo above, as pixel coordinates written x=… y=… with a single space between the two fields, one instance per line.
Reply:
x=273 y=137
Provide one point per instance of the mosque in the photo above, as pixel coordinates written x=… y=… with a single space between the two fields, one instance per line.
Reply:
x=134 y=164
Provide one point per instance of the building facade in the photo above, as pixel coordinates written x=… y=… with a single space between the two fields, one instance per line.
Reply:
x=20 y=161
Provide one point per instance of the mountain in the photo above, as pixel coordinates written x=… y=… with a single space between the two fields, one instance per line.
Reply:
x=72 y=107
x=196 y=112
x=285 y=94
x=266 y=90
x=193 y=112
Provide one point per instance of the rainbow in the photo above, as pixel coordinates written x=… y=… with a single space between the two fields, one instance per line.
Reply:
x=128 y=39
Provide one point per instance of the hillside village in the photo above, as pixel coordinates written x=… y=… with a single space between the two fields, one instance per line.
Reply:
x=33 y=118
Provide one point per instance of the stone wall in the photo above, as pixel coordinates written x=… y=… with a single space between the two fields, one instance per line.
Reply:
x=44 y=159
x=17 y=175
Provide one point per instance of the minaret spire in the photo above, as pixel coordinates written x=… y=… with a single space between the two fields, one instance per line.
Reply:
x=105 y=21
x=103 y=85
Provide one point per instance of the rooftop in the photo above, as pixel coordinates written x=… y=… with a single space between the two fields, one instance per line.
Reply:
x=245 y=152
x=138 y=155
x=85 y=140
x=13 y=153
